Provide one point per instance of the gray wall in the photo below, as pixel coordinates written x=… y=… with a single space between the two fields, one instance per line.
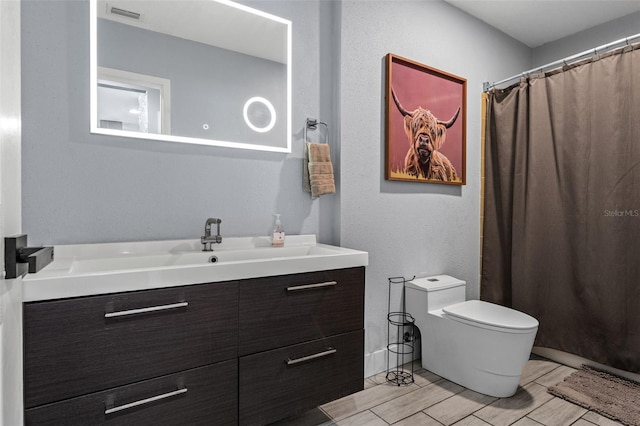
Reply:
x=83 y=188
x=597 y=36
x=411 y=228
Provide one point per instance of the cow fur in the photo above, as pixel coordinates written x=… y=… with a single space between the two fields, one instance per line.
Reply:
x=426 y=136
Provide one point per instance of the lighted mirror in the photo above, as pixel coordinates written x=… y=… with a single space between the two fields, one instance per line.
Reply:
x=210 y=72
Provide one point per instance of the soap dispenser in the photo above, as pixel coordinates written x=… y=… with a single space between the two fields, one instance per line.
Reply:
x=277 y=238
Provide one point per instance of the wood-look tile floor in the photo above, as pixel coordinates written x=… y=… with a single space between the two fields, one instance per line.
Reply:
x=434 y=401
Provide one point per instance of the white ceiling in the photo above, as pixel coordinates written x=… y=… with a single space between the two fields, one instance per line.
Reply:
x=536 y=22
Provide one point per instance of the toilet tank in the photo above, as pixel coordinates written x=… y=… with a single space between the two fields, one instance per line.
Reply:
x=438 y=291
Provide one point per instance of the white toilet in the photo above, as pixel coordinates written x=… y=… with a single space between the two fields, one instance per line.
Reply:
x=479 y=345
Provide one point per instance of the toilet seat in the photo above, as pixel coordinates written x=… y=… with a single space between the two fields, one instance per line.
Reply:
x=489 y=315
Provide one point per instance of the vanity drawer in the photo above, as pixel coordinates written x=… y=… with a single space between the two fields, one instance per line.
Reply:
x=202 y=396
x=284 y=310
x=82 y=345
x=288 y=381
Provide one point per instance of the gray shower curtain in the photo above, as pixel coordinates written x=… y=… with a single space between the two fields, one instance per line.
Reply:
x=562 y=206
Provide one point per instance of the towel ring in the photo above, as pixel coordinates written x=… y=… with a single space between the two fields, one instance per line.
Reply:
x=312 y=124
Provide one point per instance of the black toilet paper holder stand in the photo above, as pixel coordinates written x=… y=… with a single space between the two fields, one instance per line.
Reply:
x=401 y=337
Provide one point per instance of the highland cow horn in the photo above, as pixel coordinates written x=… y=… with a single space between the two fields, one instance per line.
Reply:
x=449 y=123
x=399 y=105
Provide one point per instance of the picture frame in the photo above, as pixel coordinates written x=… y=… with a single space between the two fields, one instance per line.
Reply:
x=425 y=122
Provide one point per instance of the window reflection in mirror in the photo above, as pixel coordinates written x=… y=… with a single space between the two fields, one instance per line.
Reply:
x=123 y=108
x=133 y=102
x=209 y=72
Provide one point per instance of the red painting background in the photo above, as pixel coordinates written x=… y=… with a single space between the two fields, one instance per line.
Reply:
x=416 y=87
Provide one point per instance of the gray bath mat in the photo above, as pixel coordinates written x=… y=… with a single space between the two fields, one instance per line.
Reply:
x=604 y=393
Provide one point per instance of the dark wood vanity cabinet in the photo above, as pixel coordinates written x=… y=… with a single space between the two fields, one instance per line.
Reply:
x=201 y=396
x=287 y=381
x=244 y=352
x=301 y=342
x=154 y=352
x=284 y=310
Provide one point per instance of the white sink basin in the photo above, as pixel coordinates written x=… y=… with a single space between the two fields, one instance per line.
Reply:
x=87 y=269
x=127 y=262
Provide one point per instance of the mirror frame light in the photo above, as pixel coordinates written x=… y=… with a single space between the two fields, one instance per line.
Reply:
x=93 y=81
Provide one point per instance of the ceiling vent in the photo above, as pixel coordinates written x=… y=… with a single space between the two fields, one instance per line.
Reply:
x=124 y=13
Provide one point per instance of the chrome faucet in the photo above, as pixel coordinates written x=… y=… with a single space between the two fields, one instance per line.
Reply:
x=207 y=239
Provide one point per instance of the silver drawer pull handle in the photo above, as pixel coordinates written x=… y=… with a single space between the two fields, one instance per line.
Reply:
x=329 y=351
x=312 y=286
x=145 y=310
x=145 y=401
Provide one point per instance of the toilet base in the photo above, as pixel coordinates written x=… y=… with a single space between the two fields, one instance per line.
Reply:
x=483 y=382
x=483 y=360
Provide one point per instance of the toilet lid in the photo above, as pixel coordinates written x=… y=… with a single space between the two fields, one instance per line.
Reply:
x=491 y=314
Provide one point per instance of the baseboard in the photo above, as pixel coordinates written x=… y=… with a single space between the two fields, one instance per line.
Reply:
x=576 y=361
x=376 y=362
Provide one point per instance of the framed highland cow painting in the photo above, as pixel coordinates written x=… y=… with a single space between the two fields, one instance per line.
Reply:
x=426 y=122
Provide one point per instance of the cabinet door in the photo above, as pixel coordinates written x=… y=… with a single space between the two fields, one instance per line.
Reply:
x=284 y=310
x=77 y=346
x=202 y=396
x=283 y=382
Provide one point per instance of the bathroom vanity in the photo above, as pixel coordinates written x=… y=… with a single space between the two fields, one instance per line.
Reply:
x=171 y=347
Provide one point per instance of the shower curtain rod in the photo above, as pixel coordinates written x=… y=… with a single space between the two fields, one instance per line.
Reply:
x=486 y=86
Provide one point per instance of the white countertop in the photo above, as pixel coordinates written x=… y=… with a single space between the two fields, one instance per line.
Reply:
x=90 y=269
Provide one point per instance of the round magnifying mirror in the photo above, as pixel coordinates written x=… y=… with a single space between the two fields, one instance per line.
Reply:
x=259 y=114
